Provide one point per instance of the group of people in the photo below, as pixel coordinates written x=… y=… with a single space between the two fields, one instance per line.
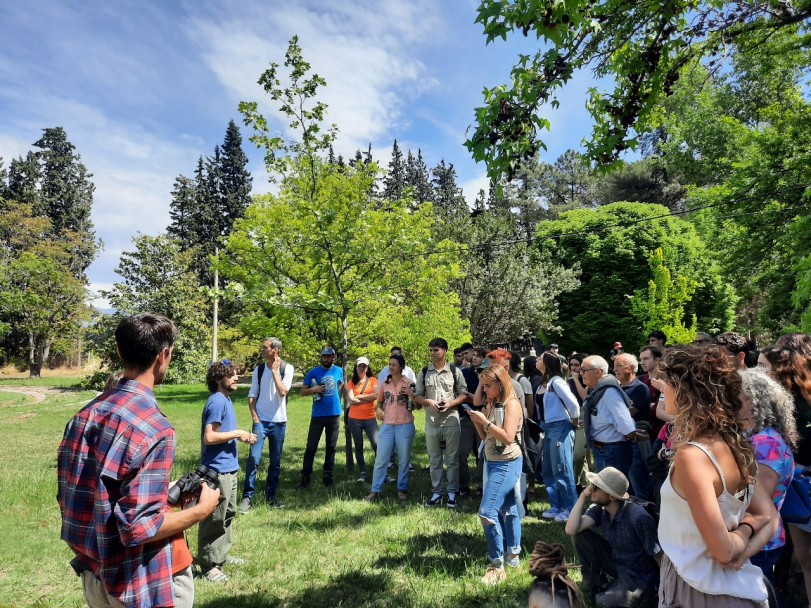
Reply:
x=700 y=440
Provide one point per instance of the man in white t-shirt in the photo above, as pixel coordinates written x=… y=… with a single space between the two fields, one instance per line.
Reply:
x=267 y=401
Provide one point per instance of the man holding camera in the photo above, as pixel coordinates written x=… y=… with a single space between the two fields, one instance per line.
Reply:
x=324 y=383
x=219 y=438
x=113 y=469
x=440 y=388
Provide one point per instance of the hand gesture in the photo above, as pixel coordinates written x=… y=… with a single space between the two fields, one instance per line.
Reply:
x=277 y=363
x=477 y=417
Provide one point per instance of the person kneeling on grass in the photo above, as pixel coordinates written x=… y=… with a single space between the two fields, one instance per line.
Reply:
x=625 y=551
x=499 y=511
x=219 y=438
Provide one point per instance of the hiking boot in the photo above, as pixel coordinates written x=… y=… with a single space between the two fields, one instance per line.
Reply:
x=494 y=575
x=245 y=506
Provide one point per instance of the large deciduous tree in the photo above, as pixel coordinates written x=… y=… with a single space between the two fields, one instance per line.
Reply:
x=641 y=48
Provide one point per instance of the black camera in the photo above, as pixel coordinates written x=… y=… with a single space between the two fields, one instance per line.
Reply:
x=192 y=483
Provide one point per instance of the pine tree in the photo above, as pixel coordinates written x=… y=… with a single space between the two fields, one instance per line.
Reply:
x=418 y=179
x=4 y=190
x=184 y=199
x=395 y=181
x=450 y=207
x=23 y=181
x=236 y=180
x=66 y=192
x=331 y=156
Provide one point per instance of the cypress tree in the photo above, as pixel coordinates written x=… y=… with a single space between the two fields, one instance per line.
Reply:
x=236 y=180
x=23 y=181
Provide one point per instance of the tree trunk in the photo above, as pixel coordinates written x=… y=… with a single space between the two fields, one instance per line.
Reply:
x=38 y=352
x=350 y=458
x=216 y=321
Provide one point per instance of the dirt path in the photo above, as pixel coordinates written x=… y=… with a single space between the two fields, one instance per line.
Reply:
x=39 y=393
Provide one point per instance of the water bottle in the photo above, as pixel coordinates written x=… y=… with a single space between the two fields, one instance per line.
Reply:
x=498 y=406
x=317 y=396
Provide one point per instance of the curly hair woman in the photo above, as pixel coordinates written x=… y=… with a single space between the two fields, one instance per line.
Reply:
x=712 y=516
x=769 y=410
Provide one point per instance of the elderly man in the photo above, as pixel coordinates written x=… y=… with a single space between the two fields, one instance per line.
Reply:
x=606 y=414
x=625 y=366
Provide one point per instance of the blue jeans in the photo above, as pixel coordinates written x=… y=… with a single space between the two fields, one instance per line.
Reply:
x=274 y=433
x=617 y=455
x=558 y=464
x=401 y=435
x=499 y=509
x=639 y=474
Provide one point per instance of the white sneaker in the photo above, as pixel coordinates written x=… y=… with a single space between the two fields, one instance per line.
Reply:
x=551 y=513
x=562 y=516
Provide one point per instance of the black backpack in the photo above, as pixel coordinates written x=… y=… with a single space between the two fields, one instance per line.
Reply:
x=261 y=369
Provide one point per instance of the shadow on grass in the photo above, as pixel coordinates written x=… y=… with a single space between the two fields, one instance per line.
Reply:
x=448 y=551
x=350 y=588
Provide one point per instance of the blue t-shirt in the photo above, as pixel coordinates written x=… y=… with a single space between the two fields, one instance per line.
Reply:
x=222 y=457
x=639 y=394
x=330 y=403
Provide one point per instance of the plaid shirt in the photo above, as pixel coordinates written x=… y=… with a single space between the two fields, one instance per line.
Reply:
x=114 y=463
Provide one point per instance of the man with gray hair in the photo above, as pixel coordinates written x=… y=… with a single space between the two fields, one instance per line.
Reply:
x=267 y=401
x=609 y=427
x=625 y=367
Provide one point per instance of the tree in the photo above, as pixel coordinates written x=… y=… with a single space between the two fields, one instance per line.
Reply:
x=418 y=179
x=641 y=47
x=41 y=297
x=450 y=207
x=23 y=180
x=236 y=179
x=509 y=291
x=613 y=244
x=394 y=182
x=182 y=210
x=319 y=252
x=159 y=276
x=661 y=306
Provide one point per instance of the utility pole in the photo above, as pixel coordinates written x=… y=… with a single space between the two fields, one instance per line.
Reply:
x=214 y=352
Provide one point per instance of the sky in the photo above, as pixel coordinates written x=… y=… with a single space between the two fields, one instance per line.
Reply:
x=144 y=88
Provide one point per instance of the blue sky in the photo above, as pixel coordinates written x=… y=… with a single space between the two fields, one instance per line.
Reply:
x=144 y=88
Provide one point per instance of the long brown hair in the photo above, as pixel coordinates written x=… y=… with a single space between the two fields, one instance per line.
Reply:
x=500 y=375
x=708 y=401
x=790 y=369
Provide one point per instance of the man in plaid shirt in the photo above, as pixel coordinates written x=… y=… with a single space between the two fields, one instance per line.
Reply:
x=113 y=469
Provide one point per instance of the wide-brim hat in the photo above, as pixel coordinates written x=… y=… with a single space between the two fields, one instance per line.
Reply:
x=612 y=481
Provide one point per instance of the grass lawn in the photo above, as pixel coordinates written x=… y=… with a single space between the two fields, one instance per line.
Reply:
x=325 y=548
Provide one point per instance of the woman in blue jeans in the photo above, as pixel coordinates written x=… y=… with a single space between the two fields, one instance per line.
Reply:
x=498 y=510
x=397 y=428
x=558 y=412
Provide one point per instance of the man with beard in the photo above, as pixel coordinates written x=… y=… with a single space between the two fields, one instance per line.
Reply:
x=625 y=551
x=219 y=438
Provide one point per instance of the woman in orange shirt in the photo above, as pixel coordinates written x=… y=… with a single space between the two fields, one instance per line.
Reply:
x=361 y=394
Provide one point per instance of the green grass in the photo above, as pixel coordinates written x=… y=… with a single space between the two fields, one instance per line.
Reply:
x=325 y=548
x=66 y=381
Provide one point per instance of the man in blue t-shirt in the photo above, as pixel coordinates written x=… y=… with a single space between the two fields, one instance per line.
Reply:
x=219 y=436
x=324 y=383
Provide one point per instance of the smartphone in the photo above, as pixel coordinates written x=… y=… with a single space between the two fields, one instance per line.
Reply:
x=467 y=407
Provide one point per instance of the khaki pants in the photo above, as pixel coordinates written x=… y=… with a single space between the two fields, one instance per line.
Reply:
x=580 y=467
x=96 y=596
x=450 y=433
x=214 y=532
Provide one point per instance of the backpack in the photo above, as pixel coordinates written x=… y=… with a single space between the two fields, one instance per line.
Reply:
x=531 y=442
x=261 y=370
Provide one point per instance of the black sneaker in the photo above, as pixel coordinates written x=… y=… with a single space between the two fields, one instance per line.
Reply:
x=464 y=492
x=451 y=504
x=274 y=503
x=305 y=483
x=328 y=483
x=435 y=501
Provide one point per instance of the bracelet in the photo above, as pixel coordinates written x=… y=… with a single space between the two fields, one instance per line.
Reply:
x=488 y=426
x=743 y=523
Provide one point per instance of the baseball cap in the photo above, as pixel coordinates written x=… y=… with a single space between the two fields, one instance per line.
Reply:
x=327 y=350
x=484 y=365
x=363 y=360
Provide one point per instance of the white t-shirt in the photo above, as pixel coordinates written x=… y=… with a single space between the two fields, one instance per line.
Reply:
x=271 y=406
x=384 y=373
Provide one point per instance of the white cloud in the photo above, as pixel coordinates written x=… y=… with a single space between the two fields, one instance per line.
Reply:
x=471 y=187
x=365 y=51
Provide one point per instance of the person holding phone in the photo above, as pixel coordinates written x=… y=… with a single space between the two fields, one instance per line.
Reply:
x=397 y=428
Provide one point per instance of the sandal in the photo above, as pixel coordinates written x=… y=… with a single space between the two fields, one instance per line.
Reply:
x=215 y=575
x=402 y=495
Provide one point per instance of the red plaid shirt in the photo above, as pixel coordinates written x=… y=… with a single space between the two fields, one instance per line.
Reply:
x=114 y=463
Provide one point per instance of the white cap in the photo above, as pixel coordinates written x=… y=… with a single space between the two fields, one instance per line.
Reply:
x=362 y=360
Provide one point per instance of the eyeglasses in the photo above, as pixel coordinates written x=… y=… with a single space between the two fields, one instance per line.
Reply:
x=587 y=369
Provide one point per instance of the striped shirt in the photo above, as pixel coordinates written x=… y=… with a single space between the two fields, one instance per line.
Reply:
x=113 y=478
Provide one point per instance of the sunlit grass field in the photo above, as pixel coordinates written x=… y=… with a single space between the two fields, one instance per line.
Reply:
x=325 y=548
